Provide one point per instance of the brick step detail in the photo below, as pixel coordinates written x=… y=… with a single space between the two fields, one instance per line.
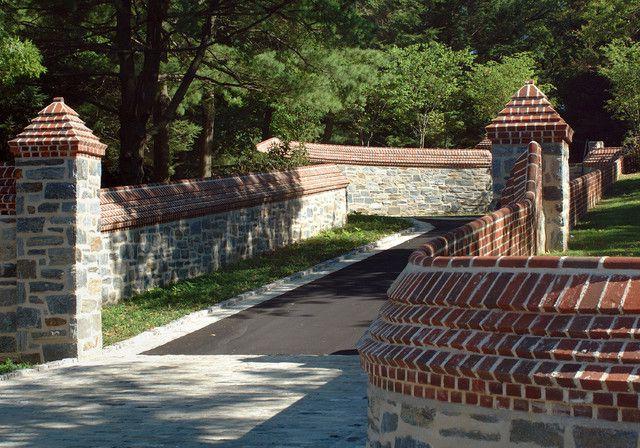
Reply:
x=519 y=346
x=504 y=369
x=582 y=326
x=582 y=293
x=127 y=207
x=604 y=405
x=571 y=324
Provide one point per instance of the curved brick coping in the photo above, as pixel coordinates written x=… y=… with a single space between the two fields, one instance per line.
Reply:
x=513 y=332
x=389 y=156
x=512 y=230
x=126 y=207
x=8 y=175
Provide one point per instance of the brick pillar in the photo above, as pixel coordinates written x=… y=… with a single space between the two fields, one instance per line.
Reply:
x=58 y=236
x=529 y=116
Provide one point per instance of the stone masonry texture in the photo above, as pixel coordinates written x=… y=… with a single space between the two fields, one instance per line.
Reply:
x=418 y=191
x=136 y=259
x=58 y=246
x=399 y=421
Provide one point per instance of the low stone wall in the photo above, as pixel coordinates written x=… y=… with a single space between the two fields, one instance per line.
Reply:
x=418 y=191
x=398 y=420
x=408 y=181
x=8 y=298
x=166 y=233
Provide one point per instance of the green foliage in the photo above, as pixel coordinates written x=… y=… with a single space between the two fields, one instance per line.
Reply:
x=623 y=71
x=488 y=87
x=18 y=58
x=8 y=365
x=160 y=306
x=280 y=157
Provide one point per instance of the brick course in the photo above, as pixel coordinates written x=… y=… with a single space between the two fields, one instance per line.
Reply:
x=548 y=335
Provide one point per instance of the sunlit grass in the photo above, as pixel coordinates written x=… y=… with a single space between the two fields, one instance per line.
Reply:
x=160 y=306
x=613 y=226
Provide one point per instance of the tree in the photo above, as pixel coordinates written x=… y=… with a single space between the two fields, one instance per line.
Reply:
x=425 y=80
x=623 y=71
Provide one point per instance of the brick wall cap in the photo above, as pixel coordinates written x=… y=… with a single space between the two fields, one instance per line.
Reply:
x=390 y=156
x=527 y=116
x=56 y=131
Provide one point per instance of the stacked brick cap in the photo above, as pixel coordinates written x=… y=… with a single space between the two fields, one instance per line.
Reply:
x=528 y=116
x=539 y=334
x=57 y=131
x=8 y=176
x=126 y=207
x=388 y=156
x=600 y=156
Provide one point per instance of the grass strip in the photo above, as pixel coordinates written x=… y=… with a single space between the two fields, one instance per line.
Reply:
x=612 y=227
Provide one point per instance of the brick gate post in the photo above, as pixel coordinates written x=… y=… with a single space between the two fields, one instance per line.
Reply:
x=58 y=236
x=530 y=116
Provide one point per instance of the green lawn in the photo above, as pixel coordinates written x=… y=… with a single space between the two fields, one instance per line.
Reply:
x=160 y=306
x=8 y=365
x=613 y=226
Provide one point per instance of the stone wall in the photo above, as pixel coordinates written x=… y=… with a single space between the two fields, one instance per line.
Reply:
x=136 y=259
x=408 y=181
x=418 y=191
x=401 y=421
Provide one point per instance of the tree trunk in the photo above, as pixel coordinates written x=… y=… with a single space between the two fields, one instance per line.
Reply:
x=138 y=93
x=207 y=141
x=161 y=156
x=328 y=128
x=266 y=123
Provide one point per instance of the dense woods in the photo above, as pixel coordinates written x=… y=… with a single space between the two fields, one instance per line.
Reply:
x=186 y=88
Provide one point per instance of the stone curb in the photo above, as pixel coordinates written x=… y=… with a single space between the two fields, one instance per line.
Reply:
x=191 y=322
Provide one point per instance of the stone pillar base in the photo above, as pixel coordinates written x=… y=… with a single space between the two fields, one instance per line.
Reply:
x=400 y=421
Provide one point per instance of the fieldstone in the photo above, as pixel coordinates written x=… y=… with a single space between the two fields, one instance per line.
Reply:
x=8 y=344
x=28 y=187
x=8 y=322
x=409 y=442
x=30 y=225
x=61 y=256
x=8 y=296
x=389 y=422
x=537 y=433
x=28 y=317
x=54 y=352
x=49 y=207
x=590 y=437
x=26 y=269
x=47 y=173
x=36 y=241
x=45 y=286
x=61 y=304
x=60 y=190
x=472 y=435
x=55 y=321
x=417 y=416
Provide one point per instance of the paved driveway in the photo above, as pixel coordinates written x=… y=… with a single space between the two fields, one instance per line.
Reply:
x=327 y=316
